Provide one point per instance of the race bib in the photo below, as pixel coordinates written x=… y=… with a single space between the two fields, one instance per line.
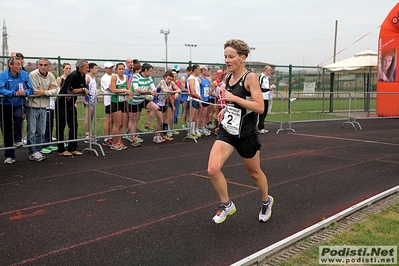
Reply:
x=207 y=91
x=149 y=97
x=231 y=120
x=121 y=98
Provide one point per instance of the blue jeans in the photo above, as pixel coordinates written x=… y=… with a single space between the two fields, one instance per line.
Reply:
x=36 y=119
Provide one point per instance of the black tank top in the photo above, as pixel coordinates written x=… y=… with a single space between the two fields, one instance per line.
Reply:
x=62 y=82
x=238 y=121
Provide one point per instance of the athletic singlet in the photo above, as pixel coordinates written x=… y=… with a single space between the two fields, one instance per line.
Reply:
x=120 y=85
x=221 y=103
x=205 y=87
x=92 y=87
x=238 y=121
x=186 y=80
x=184 y=94
x=137 y=99
x=196 y=86
x=143 y=83
x=211 y=97
x=62 y=82
x=161 y=98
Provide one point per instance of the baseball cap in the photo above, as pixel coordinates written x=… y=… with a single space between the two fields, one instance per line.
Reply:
x=108 y=65
x=176 y=68
x=219 y=72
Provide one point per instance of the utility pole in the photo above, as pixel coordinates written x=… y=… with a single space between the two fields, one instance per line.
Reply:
x=332 y=73
x=335 y=40
x=5 y=51
x=166 y=32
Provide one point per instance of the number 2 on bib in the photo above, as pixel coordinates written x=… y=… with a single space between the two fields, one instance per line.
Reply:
x=231 y=120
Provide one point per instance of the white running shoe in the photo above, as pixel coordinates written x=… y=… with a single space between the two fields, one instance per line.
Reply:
x=18 y=144
x=263 y=131
x=157 y=139
x=222 y=213
x=9 y=160
x=210 y=126
x=204 y=132
x=37 y=156
x=266 y=211
x=198 y=133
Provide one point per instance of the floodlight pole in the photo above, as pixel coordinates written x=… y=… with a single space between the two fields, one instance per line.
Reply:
x=190 y=46
x=250 y=56
x=166 y=32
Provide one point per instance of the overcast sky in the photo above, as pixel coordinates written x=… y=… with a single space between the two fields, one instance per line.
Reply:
x=281 y=31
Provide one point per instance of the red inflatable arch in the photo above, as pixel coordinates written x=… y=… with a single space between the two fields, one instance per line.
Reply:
x=388 y=46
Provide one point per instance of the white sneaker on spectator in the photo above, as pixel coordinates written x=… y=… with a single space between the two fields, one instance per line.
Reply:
x=37 y=156
x=197 y=132
x=18 y=144
x=210 y=126
x=9 y=161
x=204 y=132
x=157 y=139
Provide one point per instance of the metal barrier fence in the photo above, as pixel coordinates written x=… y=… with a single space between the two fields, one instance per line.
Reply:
x=365 y=106
x=315 y=107
x=15 y=133
x=278 y=103
x=303 y=107
x=68 y=119
x=104 y=119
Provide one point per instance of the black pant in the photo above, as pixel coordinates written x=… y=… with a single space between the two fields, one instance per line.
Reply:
x=66 y=113
x=11 y=127
x=262 y=117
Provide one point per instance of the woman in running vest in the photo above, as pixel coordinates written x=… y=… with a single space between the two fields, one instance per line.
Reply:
x=238 y=121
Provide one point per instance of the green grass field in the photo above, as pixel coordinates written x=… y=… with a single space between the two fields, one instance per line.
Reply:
x=376 y=230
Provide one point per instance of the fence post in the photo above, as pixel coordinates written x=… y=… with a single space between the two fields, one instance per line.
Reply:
x=289 y=85
x=331 y=91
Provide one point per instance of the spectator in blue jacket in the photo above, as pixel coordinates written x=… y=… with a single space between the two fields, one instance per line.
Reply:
x=15 y=85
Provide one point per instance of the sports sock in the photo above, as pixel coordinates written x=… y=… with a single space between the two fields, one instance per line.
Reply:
x=227 y=203
x=266 y=203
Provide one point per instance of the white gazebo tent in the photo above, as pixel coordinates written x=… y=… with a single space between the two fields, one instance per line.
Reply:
x=362 y=62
